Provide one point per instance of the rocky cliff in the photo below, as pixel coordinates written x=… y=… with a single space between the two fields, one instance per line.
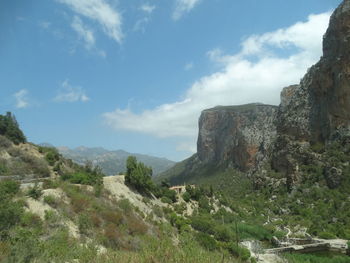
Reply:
x=235 y=135
x=317 y=111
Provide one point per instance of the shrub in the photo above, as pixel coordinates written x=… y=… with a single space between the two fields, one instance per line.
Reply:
x=180 y=208
x=206 y=241
x=51 y=200
x=8 y=189
x=204 y=205
x=166 y=200
x=84 y=223
x=240 y=252
x=179 y=222
x=51 y=217
x=3 y=168
x=4 y=142
x=203 y=224
x=50 y=184
x=253 y=232
x=327 y=235
x=35 y=192
x=10 y=215
x=136 y=226
x=125 y=205
x=52 y=156
x=186 y=197
x=112 y=217
x=29 y=219
x=224 y=233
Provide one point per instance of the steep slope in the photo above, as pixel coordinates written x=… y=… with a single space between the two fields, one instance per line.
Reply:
x=113 y=162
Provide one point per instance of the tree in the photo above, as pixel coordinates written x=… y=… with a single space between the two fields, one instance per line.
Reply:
x=138 y=175
x=10 y=129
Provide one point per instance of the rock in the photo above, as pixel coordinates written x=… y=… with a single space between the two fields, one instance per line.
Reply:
x=235 y=136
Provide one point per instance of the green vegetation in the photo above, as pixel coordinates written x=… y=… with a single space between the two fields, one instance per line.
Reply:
x=87 y=175
x=10 y=128
x=51 y=154
x=35 y=192
x=318 y=258
x=138 y=175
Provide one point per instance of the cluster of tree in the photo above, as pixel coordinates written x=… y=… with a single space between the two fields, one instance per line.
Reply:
x=87 y=174
x=138 y=175
x=10 y=129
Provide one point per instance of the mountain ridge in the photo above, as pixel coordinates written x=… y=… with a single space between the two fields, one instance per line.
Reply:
x=112 y=162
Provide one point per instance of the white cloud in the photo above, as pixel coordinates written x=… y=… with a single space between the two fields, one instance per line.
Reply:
x=265 y=64
x=147 y=8
x=100 y=11
x=189 y=66
x=182 y=7
x=21 y=99
x=68 y=93
x=84 y=32
x=140 y=24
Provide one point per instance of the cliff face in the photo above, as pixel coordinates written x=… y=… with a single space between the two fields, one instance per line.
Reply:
x=311 y=126
x=317 y=111
x=321 y=103
x=236 y=136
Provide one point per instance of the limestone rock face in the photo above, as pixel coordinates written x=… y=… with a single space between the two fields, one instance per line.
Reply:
x=319 y=107
x=236 y=135
x=321 y=103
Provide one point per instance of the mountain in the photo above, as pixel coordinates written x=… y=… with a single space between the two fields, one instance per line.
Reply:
x=310 y=124
x=113 y=162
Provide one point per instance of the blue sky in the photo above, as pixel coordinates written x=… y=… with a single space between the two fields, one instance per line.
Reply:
x=135 y=74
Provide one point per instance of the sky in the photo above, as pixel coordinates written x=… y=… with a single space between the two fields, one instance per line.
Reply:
x=136 y=74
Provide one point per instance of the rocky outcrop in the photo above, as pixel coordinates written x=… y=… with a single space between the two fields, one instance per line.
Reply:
x=319 y=107
x=237 y=136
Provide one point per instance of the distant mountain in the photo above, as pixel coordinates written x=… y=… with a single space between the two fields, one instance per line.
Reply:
x=113 y=162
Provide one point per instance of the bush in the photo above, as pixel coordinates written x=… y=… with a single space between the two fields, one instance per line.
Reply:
x=84 y=223
x=204 y=205
x=35 y=192
x=52 y=156
x=4 y=142
x=179 y=222
x=327 y=235
x=10 y=215
x=206 y=241
x=203 y=224
x=253 y=232
x=29 y=219
x=240 y=252
x=224 y=233
x=8 y=189
x=51 y=201
x=166 y=200
x=186 y=197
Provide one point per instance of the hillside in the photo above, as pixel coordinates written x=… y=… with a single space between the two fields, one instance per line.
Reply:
x=113 y=162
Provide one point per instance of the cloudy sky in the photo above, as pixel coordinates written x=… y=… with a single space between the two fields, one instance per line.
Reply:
x=136 y=74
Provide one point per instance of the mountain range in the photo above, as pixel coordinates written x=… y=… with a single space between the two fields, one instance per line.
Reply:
x=113 y=162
